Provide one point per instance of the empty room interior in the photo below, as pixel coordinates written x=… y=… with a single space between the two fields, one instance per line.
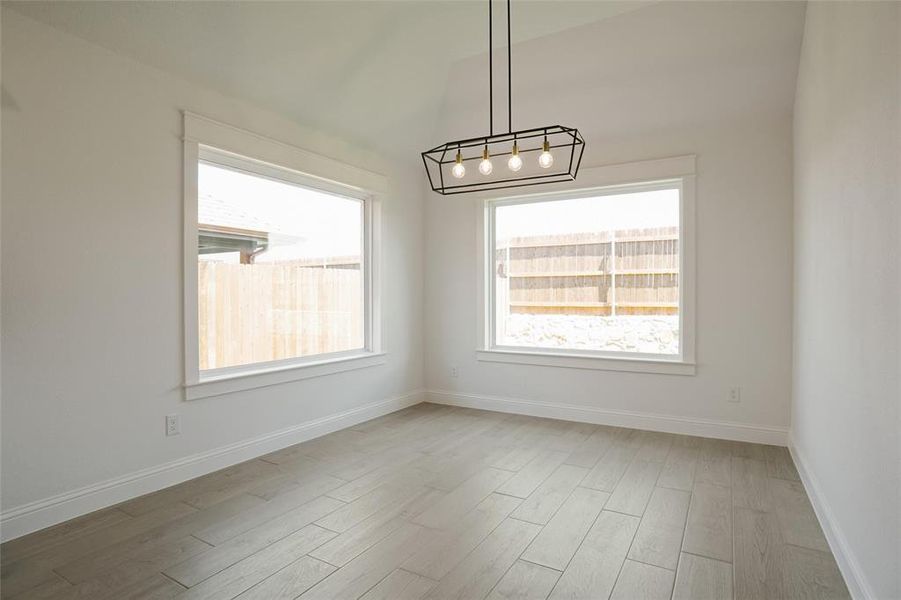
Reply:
x=450 y=299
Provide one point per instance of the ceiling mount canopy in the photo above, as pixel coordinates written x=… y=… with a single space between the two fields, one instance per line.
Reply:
x=547 y=154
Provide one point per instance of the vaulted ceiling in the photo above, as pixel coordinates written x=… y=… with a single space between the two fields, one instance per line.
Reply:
x=377 y=73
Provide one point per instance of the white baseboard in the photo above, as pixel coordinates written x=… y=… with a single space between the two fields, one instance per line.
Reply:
x=857 y=583
x=37 y=515
x=761 y=434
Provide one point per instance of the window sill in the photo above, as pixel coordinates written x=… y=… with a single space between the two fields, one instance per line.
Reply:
x=217 y=385
x=581 y=361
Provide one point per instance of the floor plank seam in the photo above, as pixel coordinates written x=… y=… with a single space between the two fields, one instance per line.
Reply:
x=532 y=562
x=726 y=562
x=202 y=541
x=817 y=550
x=511 y=517
x=178 y=583
x=619 y=512
x=648 y=564
x=61 y=576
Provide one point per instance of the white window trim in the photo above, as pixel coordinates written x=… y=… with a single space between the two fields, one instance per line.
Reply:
x=605 y=179
x=208 y=139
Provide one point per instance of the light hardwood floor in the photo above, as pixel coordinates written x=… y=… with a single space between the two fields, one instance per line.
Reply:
x=440 y=502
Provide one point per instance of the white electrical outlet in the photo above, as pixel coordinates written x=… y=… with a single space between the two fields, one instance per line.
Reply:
x=455 y=372
x=173 y=426
x=735 y=394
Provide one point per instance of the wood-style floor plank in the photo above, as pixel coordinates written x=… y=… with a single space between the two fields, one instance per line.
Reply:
x=708 y=530
x=544 y=501
x=449 y=509
x=343 y=548
x=367 y=505
x=714 y=463
x=281 y=507
x=525 y=581
x=481 y=570
x=611 y=467
x=533 y=474
x=679 y=469
x=634 y=490
x=701 y=578
x=53 y=588
x=812 y=575
x=561 y=537
x=779 y=464
x=750 y=484
x=44 y=540
x=158 y=548
x=400 y=585
x=446 y=548
x=659 y=537
x=797 y=521
x=290 y=582
x=589 y=452
x=366 y=570
x=638 y=580
x=759 y=555
x=655 y=446
x=246 y=573
x=204 y=565
x=593 y=570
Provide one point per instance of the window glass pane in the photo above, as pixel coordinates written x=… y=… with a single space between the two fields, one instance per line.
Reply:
x=599 y=273
x=279 y=272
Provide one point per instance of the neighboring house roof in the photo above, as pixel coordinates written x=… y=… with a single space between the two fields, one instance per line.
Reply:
x=217 y=213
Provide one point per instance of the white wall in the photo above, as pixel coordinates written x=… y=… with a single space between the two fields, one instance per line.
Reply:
x=92 y=283
x=845 y=410
x=667 y=95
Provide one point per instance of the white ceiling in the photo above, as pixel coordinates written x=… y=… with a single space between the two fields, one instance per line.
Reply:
x=358 y=69
x=671 y=67
x=376 y=72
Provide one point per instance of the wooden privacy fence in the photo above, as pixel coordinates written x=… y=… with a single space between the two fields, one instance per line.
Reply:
x=261 y=312
x=625 y=272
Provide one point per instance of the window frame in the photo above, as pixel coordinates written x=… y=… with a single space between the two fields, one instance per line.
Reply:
x=215 y=143
x=677 y=172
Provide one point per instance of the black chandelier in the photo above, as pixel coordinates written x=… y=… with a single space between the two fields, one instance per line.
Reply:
x=450 y=165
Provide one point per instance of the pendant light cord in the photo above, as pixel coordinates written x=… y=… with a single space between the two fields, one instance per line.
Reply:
x=509 y=76
x=490 y=70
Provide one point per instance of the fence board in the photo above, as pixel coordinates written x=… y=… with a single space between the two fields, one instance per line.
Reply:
x=576 y=273
x=263 y=312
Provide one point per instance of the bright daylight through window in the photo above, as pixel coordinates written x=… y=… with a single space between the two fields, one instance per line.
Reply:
x=596 y=274
x=280 y=269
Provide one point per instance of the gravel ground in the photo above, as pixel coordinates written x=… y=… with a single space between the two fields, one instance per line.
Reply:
x=658 y=334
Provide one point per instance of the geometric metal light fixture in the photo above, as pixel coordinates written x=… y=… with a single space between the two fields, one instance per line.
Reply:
x=534 y=156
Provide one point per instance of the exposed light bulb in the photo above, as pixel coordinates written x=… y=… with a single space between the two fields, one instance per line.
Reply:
x=546 y=159
x=485 y=167
x=458 y=169
x=515 y=162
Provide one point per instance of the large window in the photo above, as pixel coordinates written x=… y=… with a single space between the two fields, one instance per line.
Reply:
x=594 y=273
x=279 y=270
